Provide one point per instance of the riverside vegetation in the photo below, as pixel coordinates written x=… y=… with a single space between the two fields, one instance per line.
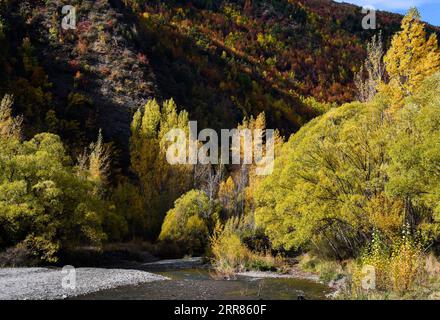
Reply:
x=358 y=185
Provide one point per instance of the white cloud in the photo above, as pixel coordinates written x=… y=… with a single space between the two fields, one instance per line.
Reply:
x=392 y=4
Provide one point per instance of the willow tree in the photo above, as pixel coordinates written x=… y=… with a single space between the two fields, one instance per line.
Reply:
x=323 y=182
x=45 y=206
x=414 y=172
x=354 y=170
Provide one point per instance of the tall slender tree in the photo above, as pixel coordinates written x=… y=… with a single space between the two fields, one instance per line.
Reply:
x=160 y=182
x=9 y=126
x=411 y=58
x=373 y=70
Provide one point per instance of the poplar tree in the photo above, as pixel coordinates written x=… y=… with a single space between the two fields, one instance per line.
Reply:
x=411 y=58
x=227 y=196
x=160 y=182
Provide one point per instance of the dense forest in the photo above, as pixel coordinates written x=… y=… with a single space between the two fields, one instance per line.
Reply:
x=84 y=115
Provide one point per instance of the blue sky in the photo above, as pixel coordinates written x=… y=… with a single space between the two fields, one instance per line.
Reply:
x=429 y=9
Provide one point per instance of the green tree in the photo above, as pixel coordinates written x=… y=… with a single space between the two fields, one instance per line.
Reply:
x=323 y=181
x=355 y=170
x=44 y=204
x=414 y=173
x=189 y=223
x=129 y=204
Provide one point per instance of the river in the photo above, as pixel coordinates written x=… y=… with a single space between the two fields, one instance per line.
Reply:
x=200 y=284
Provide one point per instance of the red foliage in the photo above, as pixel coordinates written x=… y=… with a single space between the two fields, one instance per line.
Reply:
x=84 y=26
x=74 y=64
x=142 y=58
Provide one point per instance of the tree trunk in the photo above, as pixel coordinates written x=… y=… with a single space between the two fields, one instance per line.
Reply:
x=248 y=7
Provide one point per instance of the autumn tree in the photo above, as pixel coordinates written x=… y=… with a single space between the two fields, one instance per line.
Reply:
x=9 y=126
x=318 y=194
x=208 y=177
x=160 y=182
x=227 y=196
x=95 y=163
x=45 y=205
x=411 y=58
x=414 y=173
x=355 y=170
x=245 y=176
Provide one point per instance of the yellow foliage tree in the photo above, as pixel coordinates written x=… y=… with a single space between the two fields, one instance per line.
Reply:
x=246 y=177
x=411 y=58
x=99 y=165
x=160 y=182
x=95 y=164
x=10 y=127
x=227 y=195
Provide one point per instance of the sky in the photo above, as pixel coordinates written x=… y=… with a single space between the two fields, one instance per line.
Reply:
x=429 y=9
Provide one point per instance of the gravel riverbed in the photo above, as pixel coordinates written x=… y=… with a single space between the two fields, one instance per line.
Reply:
x=47 y=283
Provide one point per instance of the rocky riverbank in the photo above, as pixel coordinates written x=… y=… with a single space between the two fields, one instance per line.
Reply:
x=47 y=283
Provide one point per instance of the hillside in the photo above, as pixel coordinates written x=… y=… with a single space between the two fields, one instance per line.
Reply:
x=74 y=82
x=231 y=59
x=220 y=60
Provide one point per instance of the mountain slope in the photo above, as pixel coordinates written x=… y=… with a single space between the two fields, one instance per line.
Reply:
x=220 y=60
x=229 y=59
x=97 y=75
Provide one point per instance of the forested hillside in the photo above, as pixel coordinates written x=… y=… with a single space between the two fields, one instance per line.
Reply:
x=225 y=59
x=74 y=82
x=239 y=58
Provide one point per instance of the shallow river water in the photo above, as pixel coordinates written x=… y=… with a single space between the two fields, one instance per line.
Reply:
x=199 y=284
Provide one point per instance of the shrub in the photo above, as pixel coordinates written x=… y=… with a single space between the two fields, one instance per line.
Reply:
x=407 y=265
x=377 y=255
x=230 y=254
x=398 y=267
x=17 y=256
